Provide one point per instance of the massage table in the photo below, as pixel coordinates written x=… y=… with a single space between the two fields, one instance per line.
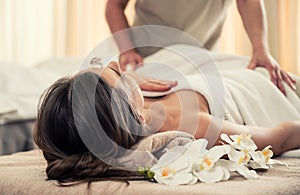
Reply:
x=24 y=173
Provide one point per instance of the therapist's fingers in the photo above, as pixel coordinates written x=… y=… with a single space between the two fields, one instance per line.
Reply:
x=139 y=61
x=162 y=82
x=133 y=63
x=289 y=76
x=288 y=80
x=262 y=58
x=156 y=85
x=252 y=64
x=130 y=58
x=279 y=81
x=170 y=83
x=123 y=61
x=273 y=74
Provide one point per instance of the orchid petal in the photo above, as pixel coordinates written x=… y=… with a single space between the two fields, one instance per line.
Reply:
x=177 y=179
x=234 y=137
x=212 y=175
x=248 y=144
x=226 y=175
x=229 y=165
x=165 y=180
x=243 y=142
x=216 y=152
x=158 y=179
x=244 y=171
x=177 y=161
x=196 y=148
x=235 y=155
x=257 y=165
x=185 y=178
x=177 y=149
x=226 y=138
x=258 y=161
x=277 y=162
x=257 y=156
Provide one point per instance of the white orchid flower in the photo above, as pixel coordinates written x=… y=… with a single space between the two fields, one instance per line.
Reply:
x=262 y=159
x=173 y=169
x=194 y=148
x=194 y=151
x=175 y=166
x=186 y=164
x=240 y=157
x=208 y=169
x=241 y=169
x=240 y=142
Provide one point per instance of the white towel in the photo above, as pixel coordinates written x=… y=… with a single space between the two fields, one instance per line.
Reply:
x=250 y=97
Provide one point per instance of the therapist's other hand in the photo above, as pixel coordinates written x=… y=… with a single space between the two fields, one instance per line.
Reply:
x=262 y=58
x=132 y=58
x=150 y=83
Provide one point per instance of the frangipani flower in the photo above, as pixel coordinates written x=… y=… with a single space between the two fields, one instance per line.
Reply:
x=173 y=169
x=208 y=170
x=240 y=142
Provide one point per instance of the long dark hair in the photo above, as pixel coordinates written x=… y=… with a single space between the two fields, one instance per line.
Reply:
x=56 y=134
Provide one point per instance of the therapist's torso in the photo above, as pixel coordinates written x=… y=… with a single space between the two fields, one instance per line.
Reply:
x=203 y=19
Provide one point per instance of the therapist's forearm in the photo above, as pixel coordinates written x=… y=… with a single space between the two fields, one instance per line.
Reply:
x=255 y=22
x=117 y=21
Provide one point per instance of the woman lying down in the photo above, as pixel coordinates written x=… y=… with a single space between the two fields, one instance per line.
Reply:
x=90 y=120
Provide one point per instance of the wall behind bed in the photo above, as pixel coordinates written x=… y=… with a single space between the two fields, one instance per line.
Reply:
x=34 y=30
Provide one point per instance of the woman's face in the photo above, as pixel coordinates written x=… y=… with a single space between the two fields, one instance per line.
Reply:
x=114 y=76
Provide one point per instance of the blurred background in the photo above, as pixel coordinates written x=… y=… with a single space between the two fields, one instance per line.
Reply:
x=35 y=30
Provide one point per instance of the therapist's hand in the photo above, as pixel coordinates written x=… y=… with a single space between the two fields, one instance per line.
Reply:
x=132 y=58
x=151 y=83
x=262 y=58
x=157 y=85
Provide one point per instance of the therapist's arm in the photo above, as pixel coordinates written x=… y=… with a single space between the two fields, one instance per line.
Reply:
x=117 y=21
x=255 y=23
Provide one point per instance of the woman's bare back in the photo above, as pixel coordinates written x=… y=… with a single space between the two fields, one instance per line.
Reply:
x=188 y=111
x=176 y=111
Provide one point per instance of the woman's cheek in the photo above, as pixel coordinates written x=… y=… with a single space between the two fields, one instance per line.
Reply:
x=134 y=93
x=137 y=99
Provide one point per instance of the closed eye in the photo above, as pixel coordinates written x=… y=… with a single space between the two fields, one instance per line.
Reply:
x=118 y=73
